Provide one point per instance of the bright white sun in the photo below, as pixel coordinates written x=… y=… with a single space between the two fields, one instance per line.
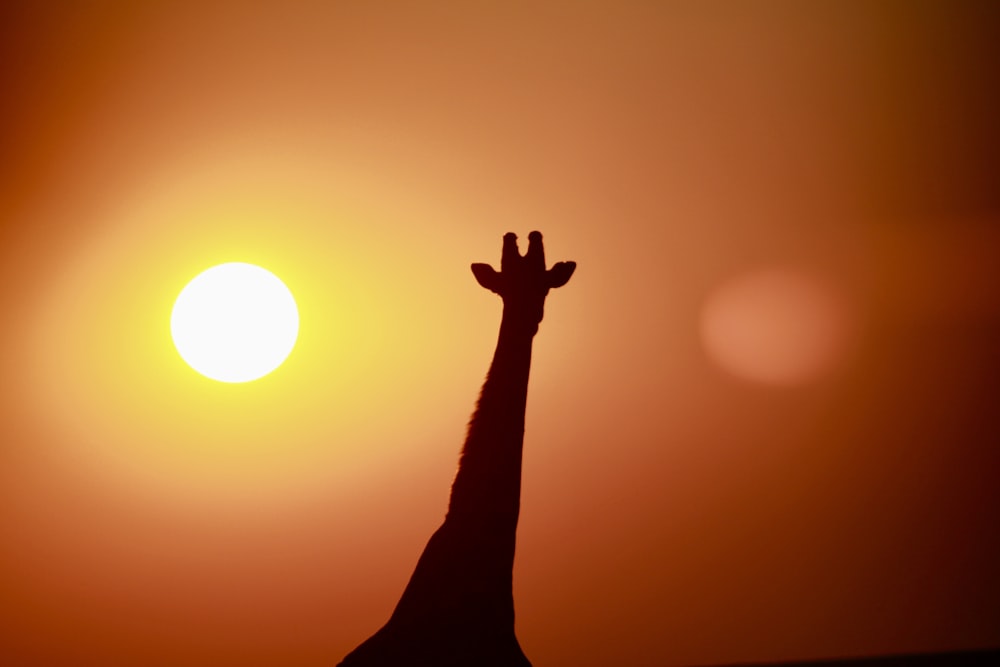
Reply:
x=235 y=322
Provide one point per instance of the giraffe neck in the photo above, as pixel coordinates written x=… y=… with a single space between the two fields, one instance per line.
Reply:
x=487 y=488
x=458 y=606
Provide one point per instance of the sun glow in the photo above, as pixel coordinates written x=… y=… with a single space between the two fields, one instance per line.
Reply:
x=235 y=322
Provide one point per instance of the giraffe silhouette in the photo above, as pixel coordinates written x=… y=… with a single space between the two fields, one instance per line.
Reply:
x=458 y=608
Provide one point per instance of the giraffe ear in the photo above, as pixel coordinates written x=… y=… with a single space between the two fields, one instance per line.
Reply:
x=560 y=273
x=487 y=277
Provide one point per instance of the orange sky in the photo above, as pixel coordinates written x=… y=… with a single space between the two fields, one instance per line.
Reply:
x=675 y=510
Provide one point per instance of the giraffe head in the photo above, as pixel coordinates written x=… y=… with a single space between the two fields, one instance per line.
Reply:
x=523 y=282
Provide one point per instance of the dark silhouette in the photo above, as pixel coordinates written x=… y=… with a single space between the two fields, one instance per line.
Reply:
x=458 y=608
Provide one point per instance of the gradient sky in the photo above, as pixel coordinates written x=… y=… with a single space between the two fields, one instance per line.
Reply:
x=678 y=507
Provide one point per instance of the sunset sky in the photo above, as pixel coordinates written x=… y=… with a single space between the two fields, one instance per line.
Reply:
x=763 y=418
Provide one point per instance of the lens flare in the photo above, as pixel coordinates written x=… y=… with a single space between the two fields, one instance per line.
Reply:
x=774 y=326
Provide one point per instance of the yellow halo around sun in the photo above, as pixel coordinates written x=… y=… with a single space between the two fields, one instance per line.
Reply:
x=235 y=322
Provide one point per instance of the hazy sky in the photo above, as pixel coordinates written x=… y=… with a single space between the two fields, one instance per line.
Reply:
x=762 y=421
